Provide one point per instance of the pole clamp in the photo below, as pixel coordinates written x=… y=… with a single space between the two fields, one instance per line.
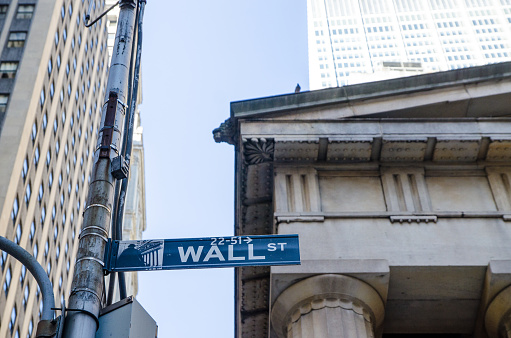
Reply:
x=97 y=205
x=90 y=258
x=109 y=126
x=88 y=313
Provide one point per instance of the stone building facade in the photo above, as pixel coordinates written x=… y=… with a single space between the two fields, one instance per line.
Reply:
x=400 y=193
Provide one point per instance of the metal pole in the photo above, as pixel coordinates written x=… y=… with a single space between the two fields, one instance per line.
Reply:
x=87 y=287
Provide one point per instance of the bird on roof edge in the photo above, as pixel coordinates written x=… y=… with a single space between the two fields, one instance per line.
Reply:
x=297 y=89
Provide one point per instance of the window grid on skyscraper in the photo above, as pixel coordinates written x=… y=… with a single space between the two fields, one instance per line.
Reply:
x=33 y=177
x=367 y=35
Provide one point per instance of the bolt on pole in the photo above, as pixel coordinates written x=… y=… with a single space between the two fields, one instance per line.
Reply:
x=87 y=288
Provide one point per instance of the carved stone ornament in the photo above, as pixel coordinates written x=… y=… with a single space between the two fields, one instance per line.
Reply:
x=224 y=133
x=258 y=150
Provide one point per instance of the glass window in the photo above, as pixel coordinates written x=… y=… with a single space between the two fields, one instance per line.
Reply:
x=15 y=209
x=32 y=231
x=25 y=296
x=3 y=11
x=25 y=11
x=50 y=179
x=28 y=193
x=23 y=274
x=33 y=135
x=4 y=98
x=36 y=155
x=43 y=215
x=3 y=258
x=8 y=70
x=12 y=322
x=24 y=170
x=42 y=97
x=56 y=38
x=45 y=121
x=41 y=193
x=7 y=282
x=17 y=236
x=16 y=39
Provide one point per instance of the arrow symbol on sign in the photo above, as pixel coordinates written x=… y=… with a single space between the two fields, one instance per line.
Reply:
x=248 y=240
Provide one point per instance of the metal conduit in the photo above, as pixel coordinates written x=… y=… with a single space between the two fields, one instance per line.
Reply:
x=37 y=271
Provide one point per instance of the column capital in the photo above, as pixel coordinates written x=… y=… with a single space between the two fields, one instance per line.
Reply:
x=494 y=315
x=327 y=290
x=497 y=319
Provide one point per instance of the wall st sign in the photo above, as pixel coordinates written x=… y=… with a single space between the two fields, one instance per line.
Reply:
x=210 y=252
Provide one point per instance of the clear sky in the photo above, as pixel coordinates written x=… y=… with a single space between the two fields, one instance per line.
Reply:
x=198 y=56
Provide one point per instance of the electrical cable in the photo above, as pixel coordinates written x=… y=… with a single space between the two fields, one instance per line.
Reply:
x=111 y=281
x=127 y=147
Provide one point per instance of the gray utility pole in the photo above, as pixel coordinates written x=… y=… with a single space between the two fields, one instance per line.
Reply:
x=87 y=288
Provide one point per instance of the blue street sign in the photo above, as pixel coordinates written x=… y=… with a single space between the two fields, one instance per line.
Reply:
x=194 y=253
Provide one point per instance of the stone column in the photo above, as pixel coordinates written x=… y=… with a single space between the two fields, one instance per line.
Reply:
x=326 y=306
x=497 y=318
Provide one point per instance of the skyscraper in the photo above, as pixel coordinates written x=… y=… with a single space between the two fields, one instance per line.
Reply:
x=354 y=41
x=53 y=76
